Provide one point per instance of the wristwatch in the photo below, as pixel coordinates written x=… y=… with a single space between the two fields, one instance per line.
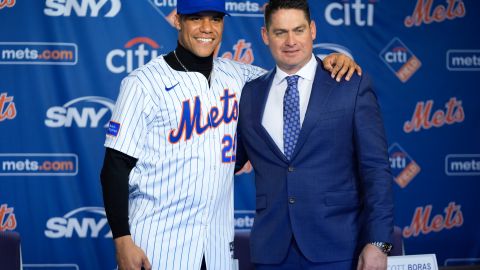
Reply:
x=384 y=247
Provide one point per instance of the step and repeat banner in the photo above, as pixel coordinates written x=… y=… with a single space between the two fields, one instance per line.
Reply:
x=61 y=63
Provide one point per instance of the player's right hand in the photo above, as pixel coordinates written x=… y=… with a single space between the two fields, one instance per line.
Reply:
x=130 y=256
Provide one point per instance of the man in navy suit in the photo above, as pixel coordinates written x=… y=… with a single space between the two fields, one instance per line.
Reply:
x=319 y=153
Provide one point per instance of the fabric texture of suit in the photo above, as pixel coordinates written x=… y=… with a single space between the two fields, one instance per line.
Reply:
x=334 y=195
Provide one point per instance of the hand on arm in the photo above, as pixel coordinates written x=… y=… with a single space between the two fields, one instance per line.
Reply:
x=372 y=258
x=340 y=64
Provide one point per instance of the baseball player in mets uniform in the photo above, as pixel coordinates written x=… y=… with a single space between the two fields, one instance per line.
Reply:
x=167 y=176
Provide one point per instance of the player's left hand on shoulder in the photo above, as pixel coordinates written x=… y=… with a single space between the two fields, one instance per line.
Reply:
x=372 y=258
x=340 y=65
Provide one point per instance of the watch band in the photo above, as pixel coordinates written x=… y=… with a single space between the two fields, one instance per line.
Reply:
x=384 y=247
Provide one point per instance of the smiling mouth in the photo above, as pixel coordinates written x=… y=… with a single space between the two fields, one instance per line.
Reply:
x=205 y=40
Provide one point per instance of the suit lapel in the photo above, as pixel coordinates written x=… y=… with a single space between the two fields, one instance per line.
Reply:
x=321 y=89
x=259 y=108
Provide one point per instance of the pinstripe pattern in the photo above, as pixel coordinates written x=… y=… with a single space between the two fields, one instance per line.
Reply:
x=181 y=194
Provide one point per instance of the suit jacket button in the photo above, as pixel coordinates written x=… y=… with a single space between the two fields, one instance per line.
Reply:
x=291 y=200
x=291 y=169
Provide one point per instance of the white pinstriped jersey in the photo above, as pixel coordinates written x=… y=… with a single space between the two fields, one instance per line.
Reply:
x=183 y=134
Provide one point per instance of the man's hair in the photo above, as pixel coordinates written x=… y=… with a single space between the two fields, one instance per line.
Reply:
x=275 y=5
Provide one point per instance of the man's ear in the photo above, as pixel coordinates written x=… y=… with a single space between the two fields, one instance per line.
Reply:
x=313 y=29
x=176 y=22
x=265 y=35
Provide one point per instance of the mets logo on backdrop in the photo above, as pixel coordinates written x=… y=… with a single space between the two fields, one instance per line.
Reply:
x=403 y=167
x=426 y=12
x=423 y=118
x=242 y=52
x=7 y=107
x=249 y=8
x=7 y=3
x=8 y=222
x=400 y=60
x=423 y=221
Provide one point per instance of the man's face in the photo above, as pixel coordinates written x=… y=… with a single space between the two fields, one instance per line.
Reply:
x=290 y=39
x=200 y=33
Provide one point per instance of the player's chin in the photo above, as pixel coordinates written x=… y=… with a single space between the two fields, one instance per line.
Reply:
x=204 y=51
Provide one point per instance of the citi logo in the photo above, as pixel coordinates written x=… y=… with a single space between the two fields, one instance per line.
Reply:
x=398 y=160
x=89 y=111
x=7 y=107
x=346 y=13
x=133 y=56
x=7 y=3
x=397 y=55
x=82 y=8
x=400 y=60
x=323 y=49
x=85 y=222
x=404 y=168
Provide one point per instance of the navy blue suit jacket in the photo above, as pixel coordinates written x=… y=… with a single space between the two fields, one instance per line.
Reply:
x=335 y=194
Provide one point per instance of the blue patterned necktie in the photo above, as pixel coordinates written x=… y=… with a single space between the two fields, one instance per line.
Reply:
x=291 y=116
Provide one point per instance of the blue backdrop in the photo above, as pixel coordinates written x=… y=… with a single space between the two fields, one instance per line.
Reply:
x=61 y=63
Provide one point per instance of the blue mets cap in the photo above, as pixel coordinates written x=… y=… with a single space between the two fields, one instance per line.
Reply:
x=196 y=6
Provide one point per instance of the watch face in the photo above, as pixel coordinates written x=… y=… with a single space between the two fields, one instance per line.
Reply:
x=387 y=247
x=384 y=247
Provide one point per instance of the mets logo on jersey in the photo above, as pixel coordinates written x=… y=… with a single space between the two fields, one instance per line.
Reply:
x=191 y=118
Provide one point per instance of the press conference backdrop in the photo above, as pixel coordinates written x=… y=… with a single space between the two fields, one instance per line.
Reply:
x=61 y=63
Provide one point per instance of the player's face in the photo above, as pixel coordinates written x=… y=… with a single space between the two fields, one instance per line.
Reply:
x=290 y=39
x=200 y=33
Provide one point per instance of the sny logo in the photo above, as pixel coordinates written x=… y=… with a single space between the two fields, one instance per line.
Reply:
x=421 y=117
x=83 y=222
x=400 y=60
x=7 y=3
x=403 y=167
x=7 y=107
x=362 y=13
x=423 y=12
x=81 y=7
x=66 y=115
x=8 y=222
x=119 y=60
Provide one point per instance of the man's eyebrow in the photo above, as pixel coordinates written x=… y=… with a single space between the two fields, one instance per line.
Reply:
x=303 y=26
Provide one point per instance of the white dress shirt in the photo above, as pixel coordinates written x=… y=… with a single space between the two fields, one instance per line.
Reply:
x=272 y=119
